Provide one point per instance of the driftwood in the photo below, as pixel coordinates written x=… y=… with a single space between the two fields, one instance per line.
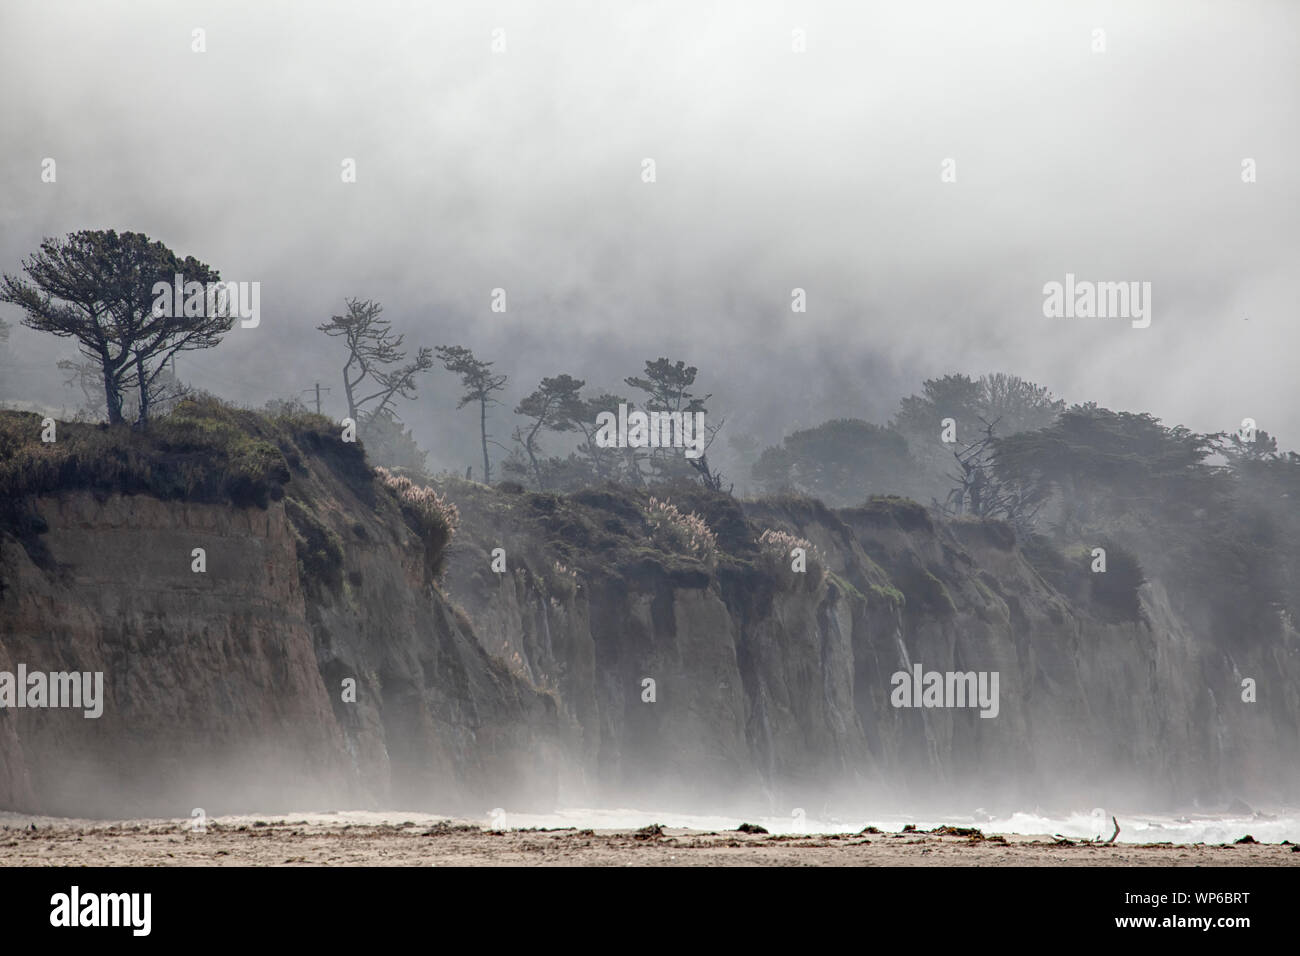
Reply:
x=1066 y=841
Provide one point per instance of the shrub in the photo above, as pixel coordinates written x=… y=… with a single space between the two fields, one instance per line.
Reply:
x=679 y=533
x=776 y=547
x=428 y=513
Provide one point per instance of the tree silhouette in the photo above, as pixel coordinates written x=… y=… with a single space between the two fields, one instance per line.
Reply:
x=554 y=405
x=98 y=288
x=668 y=385
x=479 y=383
x=843 y=462
x=376 y=360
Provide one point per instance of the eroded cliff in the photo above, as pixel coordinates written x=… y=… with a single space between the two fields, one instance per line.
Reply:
x=525 y=686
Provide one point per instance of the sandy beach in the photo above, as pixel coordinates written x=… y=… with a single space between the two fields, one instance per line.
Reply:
x=302 y=842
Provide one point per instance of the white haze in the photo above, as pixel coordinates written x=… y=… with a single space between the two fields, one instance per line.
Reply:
x=775 y=170
x=1135 y=826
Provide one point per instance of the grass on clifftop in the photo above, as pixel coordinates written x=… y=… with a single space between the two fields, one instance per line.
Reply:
x=203 y=451
x=610 y=530
x=211 y=452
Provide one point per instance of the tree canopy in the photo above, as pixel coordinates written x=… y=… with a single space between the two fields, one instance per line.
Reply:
x=98 y=287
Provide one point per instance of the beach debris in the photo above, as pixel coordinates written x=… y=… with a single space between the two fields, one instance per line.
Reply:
x=1246 y=839
x=652 y=832
x=865 y=830
x=1090 y=841
x=973 y=832
x=751 y=828
x=909 y=828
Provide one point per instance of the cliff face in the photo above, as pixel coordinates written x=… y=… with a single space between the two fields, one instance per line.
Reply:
x=528 y=688
x=773 y=689
x=210 y=680
x=225 y=689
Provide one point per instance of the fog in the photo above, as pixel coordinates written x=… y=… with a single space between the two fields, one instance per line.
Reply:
x=522 y=170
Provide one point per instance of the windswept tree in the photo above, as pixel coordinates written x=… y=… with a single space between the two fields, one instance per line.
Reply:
x=376 y=373
x=667 y=385
x=555 y=405
x=99 y=288
x=606 y=464
x=480 y=384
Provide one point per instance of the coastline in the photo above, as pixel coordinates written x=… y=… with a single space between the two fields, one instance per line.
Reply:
x=300 y=842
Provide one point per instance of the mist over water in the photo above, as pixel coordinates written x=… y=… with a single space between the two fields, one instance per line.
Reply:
x=1136 y=827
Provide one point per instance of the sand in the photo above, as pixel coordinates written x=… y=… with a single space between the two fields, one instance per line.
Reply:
x=317 y=842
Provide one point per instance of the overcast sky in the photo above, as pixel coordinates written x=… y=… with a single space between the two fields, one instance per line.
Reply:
x=821 y=170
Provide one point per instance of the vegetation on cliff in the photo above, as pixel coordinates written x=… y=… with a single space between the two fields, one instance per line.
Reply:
x=429 y=514
x=1221 y=539
x=203 y=451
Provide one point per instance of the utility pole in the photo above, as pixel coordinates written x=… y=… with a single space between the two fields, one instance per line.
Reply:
x=318 y=391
